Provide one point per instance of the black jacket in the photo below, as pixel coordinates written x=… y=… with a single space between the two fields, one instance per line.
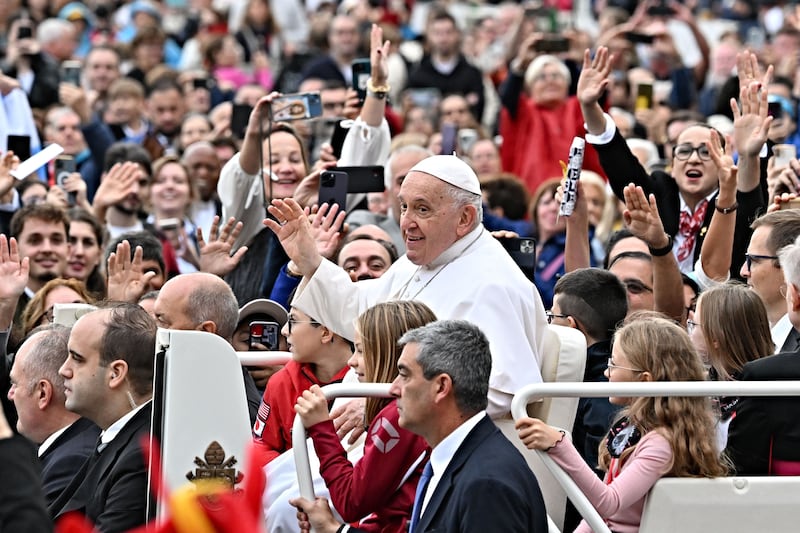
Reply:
x=465 y=79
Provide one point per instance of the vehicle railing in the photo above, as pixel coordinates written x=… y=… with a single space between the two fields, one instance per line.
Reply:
x=536 y=391
x=264 y=358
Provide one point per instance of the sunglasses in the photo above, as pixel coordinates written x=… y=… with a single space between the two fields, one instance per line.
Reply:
x=682 y=152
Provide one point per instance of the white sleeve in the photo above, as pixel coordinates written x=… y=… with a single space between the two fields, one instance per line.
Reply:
x=365 y=144
x=242 y=197
x=702 y=278
x=606 y=136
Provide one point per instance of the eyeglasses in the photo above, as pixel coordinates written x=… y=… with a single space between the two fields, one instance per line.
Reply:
x=635 y=286
x=749 y=258
x=551 y=315
x=552 y=76
x=49 y=315
x=690 y=325
x=612 y=365
x=291 y=321
x=682 y=152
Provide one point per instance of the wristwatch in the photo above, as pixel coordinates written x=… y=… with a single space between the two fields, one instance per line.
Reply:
x=379 y=91
x=660 y=252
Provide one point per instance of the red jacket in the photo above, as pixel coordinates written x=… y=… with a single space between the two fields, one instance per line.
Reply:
x=272 y=431
x=539 y=137
x=372 y=487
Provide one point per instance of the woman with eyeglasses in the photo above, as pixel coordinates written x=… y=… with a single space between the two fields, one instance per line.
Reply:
x=721 y=316
x=39 y=311
x=319 y=357
x=382 y=484
x=687 y=195
x=652 y=437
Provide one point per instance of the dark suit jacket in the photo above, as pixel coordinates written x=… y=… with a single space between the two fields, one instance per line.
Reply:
x=792 y=342
x=22 y=506
x=622 y=168
x=487 y=486
x=66 y=455
x=111 y=487
x=766 y=429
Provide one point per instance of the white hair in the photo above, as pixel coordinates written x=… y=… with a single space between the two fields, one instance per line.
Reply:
x=648 y=146
x=52 y=29
x=537 y=66
x=408 y=149
x=789 y=257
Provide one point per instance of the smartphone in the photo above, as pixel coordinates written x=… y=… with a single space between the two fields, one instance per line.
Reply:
x=449 y=139
x=333 y=188
x=427 y=97
x=240 y=116
x=20 y=145
x=265 y=333
x=523 y=251
x=784 y=154
x=644 y=96
x=169 y=224
x=337 y=138
x=636 y=37
x=553 y=44
x=660 y=10
x=466 y=139
x=24 y=31
x=775 y=110
x=361 y=72
x=363 y=179
x=298 y=106
x=71 y=72
x=64 y=165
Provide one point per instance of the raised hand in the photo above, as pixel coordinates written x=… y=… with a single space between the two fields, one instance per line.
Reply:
x=127 y=280
x=749 y=71
x=8 y=162
x=293 y=229
x=326 y=227
x=594 y=76
x=641 y=217
x=13 y=270
x=378 y=56
x=120 y=181
x=74 y=184
x=727 y=170
x=751 y=123
x=215 y=255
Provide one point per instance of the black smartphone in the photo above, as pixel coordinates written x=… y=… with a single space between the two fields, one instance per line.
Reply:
x=661 y=9
x=449 y=139
x=636 y=37
x=265 y=333
x=240 y=116
x=361 y=72
x=71 y=72
x=775 y=110
x=20 y=145
x=644 y=96
x=523 y=251
x=299 y=106
x=337 y=139
x=553 y=44
x=64 y=165
x=24 y=31
x=363 y=179
x=333 y=188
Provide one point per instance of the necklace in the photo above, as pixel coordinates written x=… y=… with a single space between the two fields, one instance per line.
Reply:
x=399 y=295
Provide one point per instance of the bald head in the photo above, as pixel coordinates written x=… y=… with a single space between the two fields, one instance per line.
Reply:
x=197 y=301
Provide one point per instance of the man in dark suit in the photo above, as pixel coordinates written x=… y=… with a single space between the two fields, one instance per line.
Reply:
x=65 y=439
x=476 y=480
x=764 y=435
x=108 y=378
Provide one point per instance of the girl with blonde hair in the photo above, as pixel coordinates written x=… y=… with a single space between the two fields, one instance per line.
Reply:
x=653 y=436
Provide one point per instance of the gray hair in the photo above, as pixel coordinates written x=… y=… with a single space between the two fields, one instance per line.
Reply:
x=409 y=149
x=215 y=302
x=52 y=29
x=537 y=66
x=459 y=349
x=47 y=356
x=789 y=257
x=462 y=198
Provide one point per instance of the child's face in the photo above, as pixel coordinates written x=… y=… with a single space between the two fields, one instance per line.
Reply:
x=303 y=335
x=356 y=361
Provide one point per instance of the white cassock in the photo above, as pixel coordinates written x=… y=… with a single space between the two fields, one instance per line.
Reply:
x=475 y=280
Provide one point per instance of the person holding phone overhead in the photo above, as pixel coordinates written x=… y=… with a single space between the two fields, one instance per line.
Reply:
x=539 y=118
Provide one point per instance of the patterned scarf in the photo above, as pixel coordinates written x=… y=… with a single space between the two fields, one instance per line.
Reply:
x=689 y=226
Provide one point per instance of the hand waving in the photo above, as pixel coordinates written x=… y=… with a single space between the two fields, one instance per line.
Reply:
x=215 y=255
x=594 y=76
x=326 y=227
x=127 y=281
x=13 y=271
x=751 y=123
x=641 y=217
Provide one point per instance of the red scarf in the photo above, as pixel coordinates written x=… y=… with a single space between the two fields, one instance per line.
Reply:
x=689 y=226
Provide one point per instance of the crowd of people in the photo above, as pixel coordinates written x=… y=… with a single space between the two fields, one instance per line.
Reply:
x=181 y=201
